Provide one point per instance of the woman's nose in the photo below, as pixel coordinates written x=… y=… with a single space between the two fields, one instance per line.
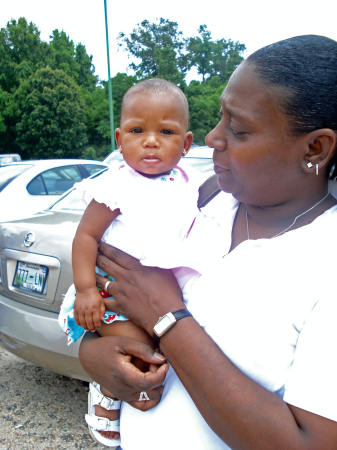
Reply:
x=216 y=138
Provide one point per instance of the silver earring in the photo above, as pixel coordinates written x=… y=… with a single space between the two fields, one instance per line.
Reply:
x=120 y=150
x=184 y=152
x=310 y=165
x=316 y=169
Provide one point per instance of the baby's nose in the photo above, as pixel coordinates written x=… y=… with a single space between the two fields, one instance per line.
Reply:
x=151 y=139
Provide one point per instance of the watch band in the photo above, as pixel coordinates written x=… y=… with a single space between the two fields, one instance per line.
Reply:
x=173 y=318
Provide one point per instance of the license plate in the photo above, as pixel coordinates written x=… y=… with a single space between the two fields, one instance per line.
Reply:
x=30 y=277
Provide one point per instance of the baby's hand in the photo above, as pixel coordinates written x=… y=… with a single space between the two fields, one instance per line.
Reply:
x=89 y=310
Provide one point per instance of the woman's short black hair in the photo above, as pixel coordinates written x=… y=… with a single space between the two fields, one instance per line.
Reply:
x=304 y=68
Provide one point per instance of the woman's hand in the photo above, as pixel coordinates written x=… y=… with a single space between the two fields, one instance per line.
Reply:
x=142 y=294
x=108 y=361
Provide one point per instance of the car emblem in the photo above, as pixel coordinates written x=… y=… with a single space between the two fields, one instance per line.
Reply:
x=29 y=239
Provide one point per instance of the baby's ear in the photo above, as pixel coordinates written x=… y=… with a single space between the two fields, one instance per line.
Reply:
x=118 y=137
x=187 y=142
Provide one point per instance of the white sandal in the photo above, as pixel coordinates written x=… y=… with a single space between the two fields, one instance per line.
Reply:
x=95 y=423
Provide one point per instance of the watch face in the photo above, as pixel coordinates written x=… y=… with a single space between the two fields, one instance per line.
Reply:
x=163 y=325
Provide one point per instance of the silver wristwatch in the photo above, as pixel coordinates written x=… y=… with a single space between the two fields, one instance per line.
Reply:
x=168 y=321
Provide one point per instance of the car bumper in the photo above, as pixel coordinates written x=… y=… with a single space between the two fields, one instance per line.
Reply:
x=35 y=335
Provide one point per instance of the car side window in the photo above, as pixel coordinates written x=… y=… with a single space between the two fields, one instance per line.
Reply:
x=93 y=168
x=37 y=187
x=55 y=181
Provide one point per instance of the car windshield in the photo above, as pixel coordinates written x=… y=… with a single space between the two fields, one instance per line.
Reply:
x=71 y=200
x=114 y=156
x=9 y=173
x=8 y=159
x=200 y=164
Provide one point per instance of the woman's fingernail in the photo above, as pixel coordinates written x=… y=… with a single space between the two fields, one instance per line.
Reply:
x=159 y=356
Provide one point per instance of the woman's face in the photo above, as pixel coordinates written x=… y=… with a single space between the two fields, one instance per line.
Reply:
x=255 y=156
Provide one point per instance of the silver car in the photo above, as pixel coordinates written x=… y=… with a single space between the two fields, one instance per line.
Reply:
x=27 y=187
x=35 y=272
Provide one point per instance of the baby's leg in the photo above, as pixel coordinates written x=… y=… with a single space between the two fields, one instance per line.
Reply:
x=129 y=329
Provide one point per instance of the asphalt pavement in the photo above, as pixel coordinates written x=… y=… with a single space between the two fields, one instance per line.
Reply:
x=41 y=410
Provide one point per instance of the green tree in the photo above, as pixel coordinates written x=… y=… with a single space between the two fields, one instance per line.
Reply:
x=74 y=61
x=200 y=50
x=21 y=53
x=227 y=58
x=86 y=73
x=97 y=116
x=204 y=106
x=89 y=153
x=213 y=58
x=3 y=98
x=159 y=47
x=97 y=111
x=11 y=110
x=62 y=54
x=52 y=123
x=121 y=83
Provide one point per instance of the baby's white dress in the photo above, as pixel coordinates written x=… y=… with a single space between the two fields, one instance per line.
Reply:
x=156 y=217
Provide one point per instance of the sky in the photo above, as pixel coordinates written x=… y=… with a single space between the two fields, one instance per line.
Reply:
x=255 y=23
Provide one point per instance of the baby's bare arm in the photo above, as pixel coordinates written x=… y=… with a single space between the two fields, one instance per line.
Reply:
x=96 y=219
x=89 y=307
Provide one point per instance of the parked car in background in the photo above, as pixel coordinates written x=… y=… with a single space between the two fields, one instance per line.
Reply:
x=9 y=158
x=35 y=272
x=199 y=157
x=27 y=187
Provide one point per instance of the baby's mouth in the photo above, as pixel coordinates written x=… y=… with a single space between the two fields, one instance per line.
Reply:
x=151 y=159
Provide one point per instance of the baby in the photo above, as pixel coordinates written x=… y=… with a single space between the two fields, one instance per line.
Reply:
x=146 y=206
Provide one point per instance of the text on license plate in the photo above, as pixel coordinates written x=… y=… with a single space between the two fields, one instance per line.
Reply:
x=30 y=277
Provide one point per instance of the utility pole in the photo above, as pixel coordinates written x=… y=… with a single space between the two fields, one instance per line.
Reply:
x=112 y=127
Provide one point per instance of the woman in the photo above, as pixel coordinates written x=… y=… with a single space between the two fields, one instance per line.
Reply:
x=255 y=367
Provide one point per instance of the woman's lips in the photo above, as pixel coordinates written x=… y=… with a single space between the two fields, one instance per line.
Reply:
x=218 y=169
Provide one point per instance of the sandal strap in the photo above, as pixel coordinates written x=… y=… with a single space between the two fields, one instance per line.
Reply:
x=99 y=399
x=102 y=423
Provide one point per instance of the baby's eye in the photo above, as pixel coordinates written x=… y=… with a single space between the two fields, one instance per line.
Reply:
x=167 y=132
x=136 y=130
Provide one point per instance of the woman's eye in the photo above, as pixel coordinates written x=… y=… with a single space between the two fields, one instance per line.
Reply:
x=237 y=133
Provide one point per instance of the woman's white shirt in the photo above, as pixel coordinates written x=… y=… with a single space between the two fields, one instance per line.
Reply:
x=271 y=306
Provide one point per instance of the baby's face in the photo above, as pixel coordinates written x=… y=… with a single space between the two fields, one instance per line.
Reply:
x=153 y=132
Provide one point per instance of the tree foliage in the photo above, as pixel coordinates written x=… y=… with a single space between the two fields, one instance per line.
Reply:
x=3 y=98
x=159 y=47
x=53 y=105
x=53 y=116
x=21 y=53
x=74 y=61
x=213 y=58
x=161 y=50
x=204 y=106
x=97 y=110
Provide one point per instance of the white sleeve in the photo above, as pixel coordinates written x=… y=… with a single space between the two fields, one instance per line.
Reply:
x=103 y=189
x=312 y=384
